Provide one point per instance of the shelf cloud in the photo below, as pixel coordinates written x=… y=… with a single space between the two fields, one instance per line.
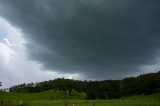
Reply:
x=99 y=39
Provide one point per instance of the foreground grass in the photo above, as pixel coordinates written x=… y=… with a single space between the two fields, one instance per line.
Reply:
x=50 y=98
x=80 y=103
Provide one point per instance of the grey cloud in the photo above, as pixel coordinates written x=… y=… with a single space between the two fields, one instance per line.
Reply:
x=108 y=37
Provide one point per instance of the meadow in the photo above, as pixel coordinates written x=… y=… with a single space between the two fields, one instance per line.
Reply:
x=57 y=98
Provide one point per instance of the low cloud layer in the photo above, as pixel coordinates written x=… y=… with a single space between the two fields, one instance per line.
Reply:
x=96 y=38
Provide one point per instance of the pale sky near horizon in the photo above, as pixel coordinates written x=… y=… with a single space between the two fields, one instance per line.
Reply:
x=83 y=39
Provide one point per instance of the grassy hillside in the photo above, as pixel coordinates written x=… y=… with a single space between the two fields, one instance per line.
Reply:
x=57 y=98
x=46 y=95
x=153 y=97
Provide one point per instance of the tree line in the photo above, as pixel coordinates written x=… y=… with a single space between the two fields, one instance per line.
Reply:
x=104 y=89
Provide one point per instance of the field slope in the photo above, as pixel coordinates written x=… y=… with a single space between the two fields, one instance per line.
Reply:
x=46 y=95
x=57 y=98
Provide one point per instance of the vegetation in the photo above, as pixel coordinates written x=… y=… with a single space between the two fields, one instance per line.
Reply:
x=46 y=95
x=143 y=90
x=141 y=100
x=105 y=89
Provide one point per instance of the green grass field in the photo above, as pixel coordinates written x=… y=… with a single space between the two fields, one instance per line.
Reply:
x=57 y=98
x=46 y=95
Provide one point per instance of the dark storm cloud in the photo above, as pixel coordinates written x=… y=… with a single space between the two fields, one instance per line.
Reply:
x=97 y=38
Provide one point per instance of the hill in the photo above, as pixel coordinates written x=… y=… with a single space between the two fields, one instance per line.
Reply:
x=45 y=95
x=103 y=89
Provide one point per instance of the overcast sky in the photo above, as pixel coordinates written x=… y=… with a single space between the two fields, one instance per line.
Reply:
x=80 y=39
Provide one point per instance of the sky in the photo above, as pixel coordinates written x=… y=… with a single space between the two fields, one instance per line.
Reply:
x=80 y=39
